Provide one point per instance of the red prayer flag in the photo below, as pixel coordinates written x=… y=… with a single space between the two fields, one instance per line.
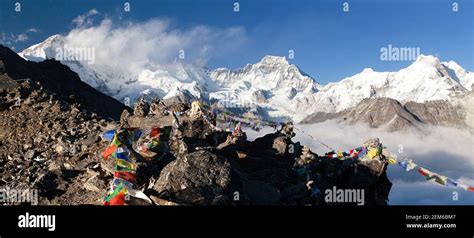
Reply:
x=422 y=172
x=155 y=131
x=109 y=151
x=130 y=177
x=118 y=200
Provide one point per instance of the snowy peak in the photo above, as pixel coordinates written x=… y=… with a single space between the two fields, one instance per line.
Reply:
x=367 y=71
x=427 y=67
x=270 y=60
x=426 y=61
x=43 y=50
x=431 y=67
x=465 y=78
x=454 y=66
x=272 y=83
x=432 y=70
x=426 y=79
x=367 y=74
x=270 y=73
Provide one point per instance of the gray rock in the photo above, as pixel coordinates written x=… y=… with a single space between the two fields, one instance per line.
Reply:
x=30 y=154
x=394 y=116
x=198 y=178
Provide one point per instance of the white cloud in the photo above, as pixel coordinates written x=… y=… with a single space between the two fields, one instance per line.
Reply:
x=446 y=151
x=3 y=39
x=9 y=39
x=24 y=36
x=130 y=48
x=85 y=19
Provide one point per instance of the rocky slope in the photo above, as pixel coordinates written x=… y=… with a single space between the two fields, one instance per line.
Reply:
x=47 y=143
x=60 y=81
x=392 y=115
x=52 y=143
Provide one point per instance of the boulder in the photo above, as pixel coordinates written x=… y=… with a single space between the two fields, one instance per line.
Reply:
x=200 y=177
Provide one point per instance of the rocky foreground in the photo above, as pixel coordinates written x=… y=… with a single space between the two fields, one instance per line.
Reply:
x=53 y=142
x=54 y=146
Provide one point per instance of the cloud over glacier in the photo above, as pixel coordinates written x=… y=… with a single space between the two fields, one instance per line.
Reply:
x=447 y=151
x=129 y=47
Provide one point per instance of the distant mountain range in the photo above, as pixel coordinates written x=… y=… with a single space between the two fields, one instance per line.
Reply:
x=275 y=89
x=391 y=115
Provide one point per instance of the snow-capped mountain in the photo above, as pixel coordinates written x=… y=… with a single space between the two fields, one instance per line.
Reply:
x=43 y=50
x=459 y=74
x=272 y=87
x=160 y=80
x=426 y=79
x=280 y=89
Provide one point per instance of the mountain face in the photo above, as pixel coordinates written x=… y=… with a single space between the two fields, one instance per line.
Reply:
x=392 y=115
x=273 y=84
x=427 y=79
x=271 y=88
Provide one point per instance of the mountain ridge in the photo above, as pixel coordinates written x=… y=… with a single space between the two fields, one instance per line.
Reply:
x=392 y=115
x=61 y=81
x=273 y=88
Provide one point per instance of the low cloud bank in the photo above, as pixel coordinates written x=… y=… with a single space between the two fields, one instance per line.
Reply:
x=447 y=151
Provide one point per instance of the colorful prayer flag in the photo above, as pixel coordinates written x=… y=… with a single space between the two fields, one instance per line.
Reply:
x=117 y=189
x=440 y=180
x=424 y=172
x=372 y=153
x=392 y=161
x=451 y=183
x=123 y=156
x=125 y=164
x=465 y=187
x=109 y=135
x=118 y=200
x=121 y=182
x=155 y=132
x=407 y=164
x=109 y=151
x=130 y=177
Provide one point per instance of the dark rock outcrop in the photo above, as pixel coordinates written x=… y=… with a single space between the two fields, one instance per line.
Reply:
x=199 y=177
x=393 y=115
x=59 y=80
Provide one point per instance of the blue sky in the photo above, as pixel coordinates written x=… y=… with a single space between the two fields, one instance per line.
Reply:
x=329 y=44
